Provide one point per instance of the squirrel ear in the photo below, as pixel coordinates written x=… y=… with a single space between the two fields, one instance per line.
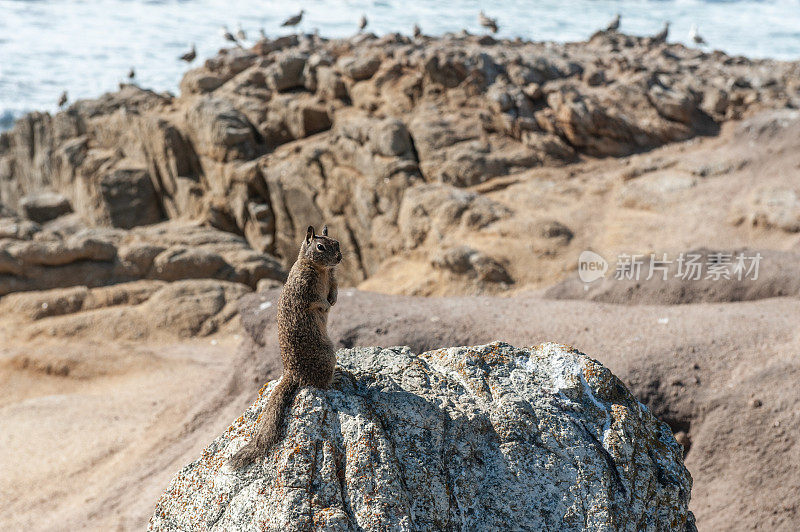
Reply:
x=310 y=233
x=324 y=230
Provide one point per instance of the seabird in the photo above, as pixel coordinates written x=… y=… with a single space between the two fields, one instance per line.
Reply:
x=295 y=20
x=695 y=37
x=661 y=36
x=362 y=23
x=62 y=99
x=487 y=22
x=614 y=24
x=417 y=31
x=227 y=35
x=240 y=34
x=190 y=55
x=131 y=73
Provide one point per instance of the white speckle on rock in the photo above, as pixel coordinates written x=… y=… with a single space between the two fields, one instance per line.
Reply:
x=265 y=305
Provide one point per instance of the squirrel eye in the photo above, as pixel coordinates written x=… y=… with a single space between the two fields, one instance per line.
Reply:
x=319 y=247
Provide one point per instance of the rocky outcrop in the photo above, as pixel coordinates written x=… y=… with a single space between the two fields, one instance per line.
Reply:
x=486 y=437
x=64 y=255
x=133 y=311
x=302 y=130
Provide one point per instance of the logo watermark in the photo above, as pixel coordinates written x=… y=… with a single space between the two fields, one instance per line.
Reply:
x=591 y=266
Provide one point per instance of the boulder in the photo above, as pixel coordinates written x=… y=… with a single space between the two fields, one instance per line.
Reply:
x=286 y=73
x=463 y=260
x=359 y=67
x=329 y=83
x=472 y=438
x=200 y=81
x=433 y=211
x=129 y=199
x=44 y=206
x=220 y=131
x=187 y=263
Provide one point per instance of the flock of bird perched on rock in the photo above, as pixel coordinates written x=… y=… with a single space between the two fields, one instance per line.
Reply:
x=483 y=19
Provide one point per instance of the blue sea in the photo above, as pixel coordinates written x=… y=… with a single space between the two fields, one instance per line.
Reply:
x=87 y=47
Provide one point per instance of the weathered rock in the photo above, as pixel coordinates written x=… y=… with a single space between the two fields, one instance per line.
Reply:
x=473 y=438
x=464 y=260
x=128 y=199
x=186 y=263
x=132 y=311
x=435 y=211
x=220 y=131
x=44 y=206
x=359 y=67
x=17 y=229
x=103 y=256
x=777 y=207
x=286 y=72
x=339 y=131
x=329 y=83
x=198 y=82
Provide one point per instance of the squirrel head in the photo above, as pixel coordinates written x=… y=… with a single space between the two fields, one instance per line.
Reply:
x=320 y=249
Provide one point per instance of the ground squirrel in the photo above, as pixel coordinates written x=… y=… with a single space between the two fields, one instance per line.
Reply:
x=308 y=355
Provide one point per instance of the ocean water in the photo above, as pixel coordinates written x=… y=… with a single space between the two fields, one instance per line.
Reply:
x=87 y=47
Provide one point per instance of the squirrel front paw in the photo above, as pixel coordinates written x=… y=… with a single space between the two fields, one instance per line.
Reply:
x=323 y=306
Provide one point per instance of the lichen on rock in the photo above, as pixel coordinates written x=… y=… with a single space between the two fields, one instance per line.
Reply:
x=489 y=437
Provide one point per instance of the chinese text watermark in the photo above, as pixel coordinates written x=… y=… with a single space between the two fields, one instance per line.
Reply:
x=713 y=266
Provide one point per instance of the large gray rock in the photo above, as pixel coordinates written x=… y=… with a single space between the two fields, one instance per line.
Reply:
x=471 y=438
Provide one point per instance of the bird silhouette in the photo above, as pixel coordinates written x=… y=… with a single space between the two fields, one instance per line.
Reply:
x=227 y=35
x=131 y=73
x=190 y=55
x=362 y=23
x=486 y=22
x=294 y=20
x=417 y=31
x=62 y=100
x=696 y=37
x=662 y=35
x=240 y=34
x=614 y=24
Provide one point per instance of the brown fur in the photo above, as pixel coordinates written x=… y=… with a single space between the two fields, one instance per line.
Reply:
x=308 y=355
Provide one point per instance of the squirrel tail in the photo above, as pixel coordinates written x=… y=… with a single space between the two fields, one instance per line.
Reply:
x=269 y=429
